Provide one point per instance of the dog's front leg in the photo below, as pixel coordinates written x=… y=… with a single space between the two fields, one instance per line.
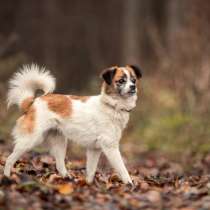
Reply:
x=92 y=162
x=115 y=159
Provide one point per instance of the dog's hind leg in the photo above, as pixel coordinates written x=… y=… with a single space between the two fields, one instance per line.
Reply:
x=22 y=145
x=57 y=146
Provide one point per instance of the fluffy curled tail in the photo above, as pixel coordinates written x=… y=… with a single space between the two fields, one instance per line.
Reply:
x=25 y=83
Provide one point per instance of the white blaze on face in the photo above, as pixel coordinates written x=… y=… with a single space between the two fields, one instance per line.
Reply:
x=128 y=83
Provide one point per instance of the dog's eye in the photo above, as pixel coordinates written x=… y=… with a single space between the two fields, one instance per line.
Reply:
x=121 y=81
x=133 y=80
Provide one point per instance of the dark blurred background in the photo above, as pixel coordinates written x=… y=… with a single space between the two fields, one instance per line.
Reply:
x=168 y=39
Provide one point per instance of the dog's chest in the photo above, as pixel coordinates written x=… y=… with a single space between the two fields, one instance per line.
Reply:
x=120 y=119
x=91 y=121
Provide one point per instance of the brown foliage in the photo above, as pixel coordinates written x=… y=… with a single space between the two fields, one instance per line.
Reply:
x=158 y=184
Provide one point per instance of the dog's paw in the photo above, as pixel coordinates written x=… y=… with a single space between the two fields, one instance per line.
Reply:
x=7 y=172
x=67 y=175
x=128 y=181
x=69 y=178
x=89 y=180
x=63 y=173
x=130 y=184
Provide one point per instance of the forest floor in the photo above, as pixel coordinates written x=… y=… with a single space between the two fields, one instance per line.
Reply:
x=158 y=184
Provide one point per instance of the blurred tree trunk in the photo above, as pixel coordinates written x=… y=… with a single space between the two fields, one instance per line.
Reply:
x=49 y=33
x=131 y=31
x=30 y=28
x=174 y=22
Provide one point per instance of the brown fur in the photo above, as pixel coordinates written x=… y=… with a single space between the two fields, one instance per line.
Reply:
x=81 y=98
x=27 y=121
x=60 y=104
x=118 y=75
x=26 y=104
x=110 y=89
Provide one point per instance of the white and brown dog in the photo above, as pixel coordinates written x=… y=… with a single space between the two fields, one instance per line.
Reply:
x=95 y=122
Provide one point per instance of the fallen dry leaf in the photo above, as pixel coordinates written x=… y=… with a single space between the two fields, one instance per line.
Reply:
x=65 y=189
x=158 y=184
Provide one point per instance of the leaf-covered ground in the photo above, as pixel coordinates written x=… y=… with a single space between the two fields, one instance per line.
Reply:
x=158 y=184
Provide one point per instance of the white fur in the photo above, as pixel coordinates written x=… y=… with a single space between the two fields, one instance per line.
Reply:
x=128 y=82
x=96 y=124
x=25 y=82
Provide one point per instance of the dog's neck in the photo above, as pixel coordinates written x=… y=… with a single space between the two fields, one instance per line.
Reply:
x=119 y=103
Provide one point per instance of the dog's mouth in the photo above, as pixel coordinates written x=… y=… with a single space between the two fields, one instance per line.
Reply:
x=132 y=92
x=126 y=94
x=129 y=94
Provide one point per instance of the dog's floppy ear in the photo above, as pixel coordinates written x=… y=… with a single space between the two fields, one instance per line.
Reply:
x=137 y=71
x=108 y=74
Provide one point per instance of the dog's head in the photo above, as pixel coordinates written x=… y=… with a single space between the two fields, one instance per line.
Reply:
x=121 y=80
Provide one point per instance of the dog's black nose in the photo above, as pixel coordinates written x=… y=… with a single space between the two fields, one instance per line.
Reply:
x=132 y=87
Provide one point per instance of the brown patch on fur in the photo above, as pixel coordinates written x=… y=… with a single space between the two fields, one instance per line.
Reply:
x=81 y=98
x=27 y=121
x=118 y=75
x=26 y=104
x=60 y=104
x=108 y=89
